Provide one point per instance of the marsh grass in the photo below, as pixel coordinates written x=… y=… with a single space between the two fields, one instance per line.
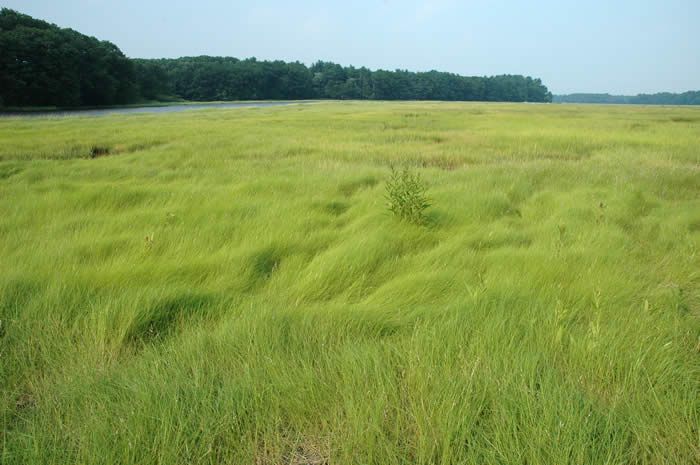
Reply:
x=227 y=287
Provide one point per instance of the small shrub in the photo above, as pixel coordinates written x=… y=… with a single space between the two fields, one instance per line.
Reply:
x=405 y=193
x=97 y=151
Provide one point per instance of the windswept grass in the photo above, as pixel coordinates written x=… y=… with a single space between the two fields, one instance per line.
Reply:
x=228 y=287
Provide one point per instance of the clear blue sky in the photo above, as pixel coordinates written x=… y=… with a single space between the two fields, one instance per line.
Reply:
x=616 y=46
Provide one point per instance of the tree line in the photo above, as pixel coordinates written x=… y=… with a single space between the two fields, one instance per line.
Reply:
x=42 y=64
x=661 y=98
x=226 y=78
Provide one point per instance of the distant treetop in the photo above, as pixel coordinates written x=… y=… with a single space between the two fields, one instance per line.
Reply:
x=662 y=98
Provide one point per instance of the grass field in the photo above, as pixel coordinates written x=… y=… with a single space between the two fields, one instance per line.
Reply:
x=228 y=287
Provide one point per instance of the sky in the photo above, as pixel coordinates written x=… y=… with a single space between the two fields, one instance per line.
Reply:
x=613 y=46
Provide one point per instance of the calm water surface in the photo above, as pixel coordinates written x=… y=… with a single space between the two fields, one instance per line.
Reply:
x=164 y=109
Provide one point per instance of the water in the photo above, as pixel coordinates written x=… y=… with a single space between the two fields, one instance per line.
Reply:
x=163 y=109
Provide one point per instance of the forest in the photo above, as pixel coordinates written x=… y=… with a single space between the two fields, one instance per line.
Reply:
x=42 y=64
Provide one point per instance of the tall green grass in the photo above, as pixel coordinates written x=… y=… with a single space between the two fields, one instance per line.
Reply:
x=229 y=287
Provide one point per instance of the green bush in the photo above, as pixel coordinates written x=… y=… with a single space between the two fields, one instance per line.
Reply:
x=405 y=193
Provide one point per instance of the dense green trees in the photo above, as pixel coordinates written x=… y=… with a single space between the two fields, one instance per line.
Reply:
x=333 y=81
x=225 y=78
x=42 y=64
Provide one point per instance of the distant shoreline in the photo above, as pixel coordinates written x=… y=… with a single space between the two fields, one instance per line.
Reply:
x=163 y=107
x=148 y=104
x=689 y=98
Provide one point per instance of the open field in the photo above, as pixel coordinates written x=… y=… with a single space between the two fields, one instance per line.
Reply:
x=228 y=287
